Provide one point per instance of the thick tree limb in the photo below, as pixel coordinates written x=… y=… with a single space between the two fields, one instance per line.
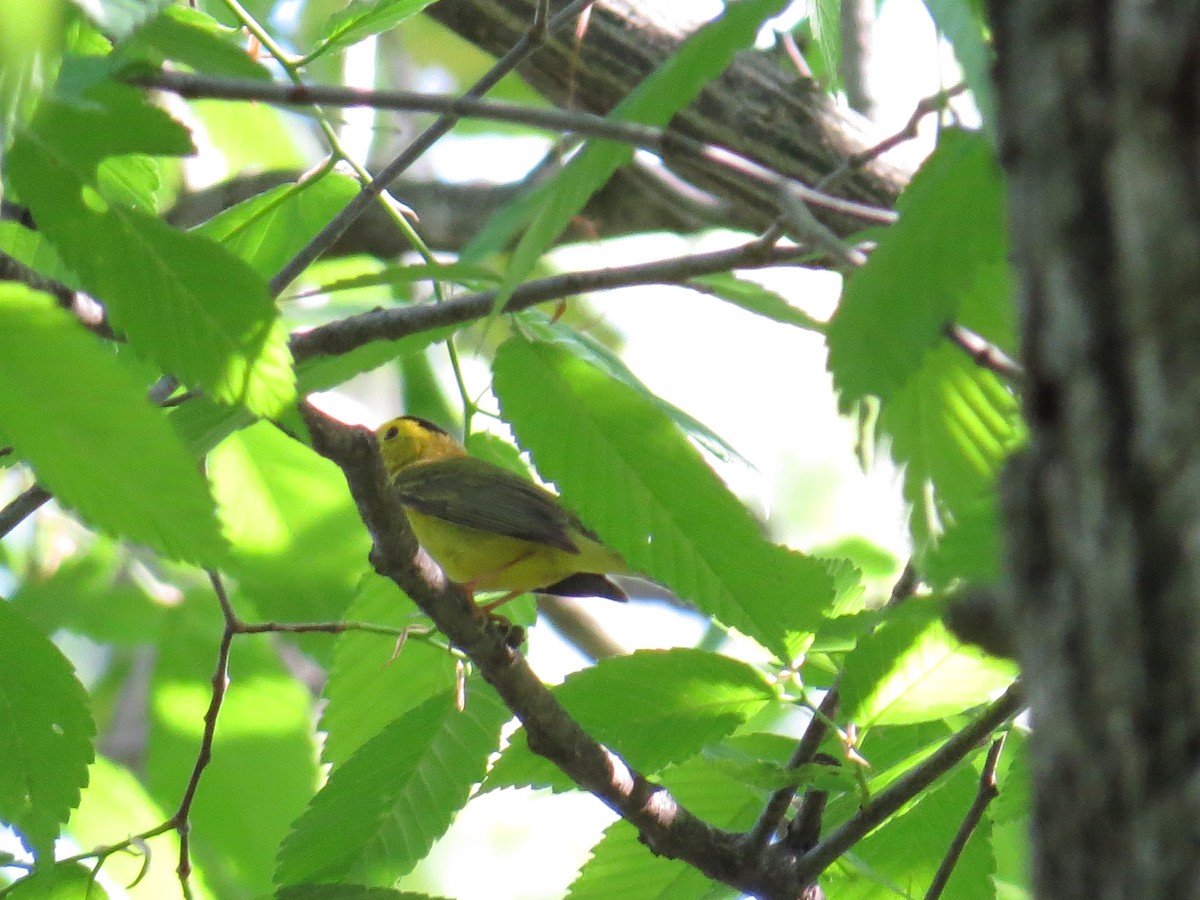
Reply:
x=755 y=108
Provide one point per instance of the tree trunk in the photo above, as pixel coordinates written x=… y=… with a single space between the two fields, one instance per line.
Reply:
x=1099 y=131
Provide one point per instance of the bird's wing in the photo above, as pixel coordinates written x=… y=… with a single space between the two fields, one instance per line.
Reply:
x=478 y=494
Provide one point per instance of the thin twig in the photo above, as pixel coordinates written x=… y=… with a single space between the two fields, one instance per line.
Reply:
x=347 y=334
x=806 y=750
x=196 y=86
x=986 y=355
x=986 y=794
x=823 y=715
x=910 y=784
x=22 y=506
x=933 y=103
x=795 y=212
x=240 y=627
x=220 y=683
x=804 y=831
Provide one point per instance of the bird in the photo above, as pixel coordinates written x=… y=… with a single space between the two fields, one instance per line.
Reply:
x=489 y=528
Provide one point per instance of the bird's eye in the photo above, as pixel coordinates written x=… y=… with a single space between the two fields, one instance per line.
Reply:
x=391 y=433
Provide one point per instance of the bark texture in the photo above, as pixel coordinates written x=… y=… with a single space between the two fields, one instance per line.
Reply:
x=1099 y=131
x=756 y=107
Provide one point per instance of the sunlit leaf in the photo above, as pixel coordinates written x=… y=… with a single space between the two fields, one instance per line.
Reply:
x=911 y=669
x=46 y=734
x=371 y=684
x=192 y=307
x=93 y=438
x=624 y=467
x=654 y=707
x=893 y=310
x=363 y=18
x=268 y=230
x=381 y=811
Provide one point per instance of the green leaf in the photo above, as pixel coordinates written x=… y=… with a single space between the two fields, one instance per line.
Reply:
x=363 y=18
x=654 y=707
x=93 y=438
x=253 y=135
x=901 y=857
x=268 y=230
x=622 y=465
x=182 y=300
x=46 y=735
x=367 y=688
x=893 y=310
x=595 y=352
x=298 y=545
x=911 y=669
x=827 y=29
x=668 y=89
x=381 y=811
x=400 y=277
x=969 y=549
x=198 y=41
x=755 y=298
x=69 y=881
x=263 y=767
x=953 y=424
x=129 y=181
x=32 y=249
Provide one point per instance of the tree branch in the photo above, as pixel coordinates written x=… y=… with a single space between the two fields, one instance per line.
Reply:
x=911 y=783
x=22 y=506
x=986 y=794
x=347 y=334
x=665 y=826
x=777 y=807
x=755 y=108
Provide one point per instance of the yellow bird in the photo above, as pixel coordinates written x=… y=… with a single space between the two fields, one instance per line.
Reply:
x=489 y=529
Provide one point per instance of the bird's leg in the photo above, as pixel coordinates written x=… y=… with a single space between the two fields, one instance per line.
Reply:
x=487 y=608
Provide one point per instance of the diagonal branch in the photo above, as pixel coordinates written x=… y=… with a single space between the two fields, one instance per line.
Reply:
x=21 y=507
x=983 y=797
x=911 y=783
x=665 y=826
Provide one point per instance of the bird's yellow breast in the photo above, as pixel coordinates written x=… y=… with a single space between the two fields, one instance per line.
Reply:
x=496 y=562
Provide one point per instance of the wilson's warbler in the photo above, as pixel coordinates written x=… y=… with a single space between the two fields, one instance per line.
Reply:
x=489 y=529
